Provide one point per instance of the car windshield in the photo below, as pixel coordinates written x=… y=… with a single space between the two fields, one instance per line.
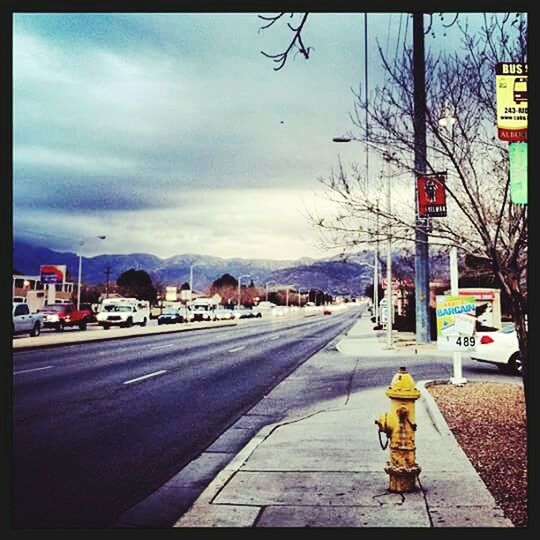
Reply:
x=57 y=307
x=170 y=312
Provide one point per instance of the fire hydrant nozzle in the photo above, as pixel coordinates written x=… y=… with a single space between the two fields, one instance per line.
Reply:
x=399 y=426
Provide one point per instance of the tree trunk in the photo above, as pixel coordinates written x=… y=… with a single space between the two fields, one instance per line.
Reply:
x=519 y=314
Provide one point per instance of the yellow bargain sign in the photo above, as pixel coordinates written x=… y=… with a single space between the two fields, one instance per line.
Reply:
x=456 y=323
x=512 y=101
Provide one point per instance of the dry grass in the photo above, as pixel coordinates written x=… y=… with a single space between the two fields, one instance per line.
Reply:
x=488 y=420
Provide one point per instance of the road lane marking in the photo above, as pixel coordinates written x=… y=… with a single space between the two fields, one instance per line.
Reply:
x=237 y=349
x=145 y=376
x=30 y=370
x=163 y=346
x=274 y=337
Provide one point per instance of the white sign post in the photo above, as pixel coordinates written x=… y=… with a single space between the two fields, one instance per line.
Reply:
x=461 y=321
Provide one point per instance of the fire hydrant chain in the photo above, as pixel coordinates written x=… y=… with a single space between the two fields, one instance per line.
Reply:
x=380 y=441
x=400 y=428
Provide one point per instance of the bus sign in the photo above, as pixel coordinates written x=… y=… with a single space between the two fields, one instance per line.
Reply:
x=512 y=101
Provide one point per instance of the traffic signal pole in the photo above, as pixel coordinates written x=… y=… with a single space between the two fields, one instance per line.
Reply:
x=421 y=263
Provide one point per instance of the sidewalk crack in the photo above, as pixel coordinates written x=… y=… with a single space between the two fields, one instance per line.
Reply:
x=351 y=379
x=425 y=500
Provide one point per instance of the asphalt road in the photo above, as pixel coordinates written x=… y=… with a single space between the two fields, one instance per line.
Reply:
x=99 y=426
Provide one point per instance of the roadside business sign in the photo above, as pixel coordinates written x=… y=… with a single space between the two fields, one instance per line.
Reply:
x=170 y=294
x=52 y=273
x=432 y=195
x=456 y=323
x=512 y=101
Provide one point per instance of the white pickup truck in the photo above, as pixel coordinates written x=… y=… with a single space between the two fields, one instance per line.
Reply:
x=25 y=322
x=124 y=312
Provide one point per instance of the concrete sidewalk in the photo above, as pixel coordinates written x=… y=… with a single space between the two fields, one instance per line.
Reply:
x=323 y=467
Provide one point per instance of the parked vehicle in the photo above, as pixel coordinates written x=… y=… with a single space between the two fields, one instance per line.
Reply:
x=60 y=316
x=174 y=315
x=224 y=314
x=124 y=312
x=203 y=309
x=25 y=322
x=243 y=313
x=500 y=348
x=264 y=309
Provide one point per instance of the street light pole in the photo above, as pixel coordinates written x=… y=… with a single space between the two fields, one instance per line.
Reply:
x=266 y=287
x=81 y=243
x=191 y=281
x=389 y=304
x=239 y=280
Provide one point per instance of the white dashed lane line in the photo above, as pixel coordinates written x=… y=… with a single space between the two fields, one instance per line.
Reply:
x=31 y=370
x=237 y=349
x=275 y=337
x=162 y=346
x=155 y=374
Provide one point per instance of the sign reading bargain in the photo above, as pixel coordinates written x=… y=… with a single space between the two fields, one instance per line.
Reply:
x=456 y=323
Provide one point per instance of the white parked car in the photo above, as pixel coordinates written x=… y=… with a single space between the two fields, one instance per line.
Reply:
x=500 y=348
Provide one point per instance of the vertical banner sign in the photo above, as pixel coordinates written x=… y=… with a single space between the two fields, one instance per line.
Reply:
x=432 y=195
x=456 y=323
x=517 y=155
x=512 y=101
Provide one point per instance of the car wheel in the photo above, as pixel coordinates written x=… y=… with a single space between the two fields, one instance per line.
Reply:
x=82 y=326
x=60 y=326
x=129 y=323
x=144 y=322
x=36 y=330
x=515 y=363
x=106 y=326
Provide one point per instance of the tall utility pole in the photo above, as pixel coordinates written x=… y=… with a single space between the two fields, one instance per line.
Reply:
x=108 y=274
x=421 y=262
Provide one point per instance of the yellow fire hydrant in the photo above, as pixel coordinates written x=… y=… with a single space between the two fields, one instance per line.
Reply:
x=399 y=426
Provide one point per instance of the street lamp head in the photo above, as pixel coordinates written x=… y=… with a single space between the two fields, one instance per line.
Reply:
x=341 y=139
x=102 y=237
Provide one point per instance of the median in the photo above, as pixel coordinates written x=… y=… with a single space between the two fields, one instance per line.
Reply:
x=69 y=337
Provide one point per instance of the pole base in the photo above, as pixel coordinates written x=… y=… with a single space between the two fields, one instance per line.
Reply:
x=460 y=381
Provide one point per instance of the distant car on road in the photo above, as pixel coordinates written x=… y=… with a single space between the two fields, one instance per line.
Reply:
x=224 y=314
x=500 y=348
x=60 y=316
x=172 y=316
x=327 y=311
x=243 y=313
x=264 y=309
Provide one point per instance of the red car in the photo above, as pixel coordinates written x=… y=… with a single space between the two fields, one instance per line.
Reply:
x=61 y=315
x=327 y=312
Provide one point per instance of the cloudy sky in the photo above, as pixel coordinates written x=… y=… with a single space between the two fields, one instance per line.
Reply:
x=171 y=133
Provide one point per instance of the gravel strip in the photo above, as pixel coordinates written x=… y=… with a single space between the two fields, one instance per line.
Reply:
x=488 y=420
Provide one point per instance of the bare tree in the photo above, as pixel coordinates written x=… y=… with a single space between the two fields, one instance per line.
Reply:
x=482 y=222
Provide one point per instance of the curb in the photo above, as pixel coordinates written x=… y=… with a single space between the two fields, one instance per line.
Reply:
x=433 y=409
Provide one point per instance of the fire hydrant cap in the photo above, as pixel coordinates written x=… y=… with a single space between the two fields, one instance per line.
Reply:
x=402 y=386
